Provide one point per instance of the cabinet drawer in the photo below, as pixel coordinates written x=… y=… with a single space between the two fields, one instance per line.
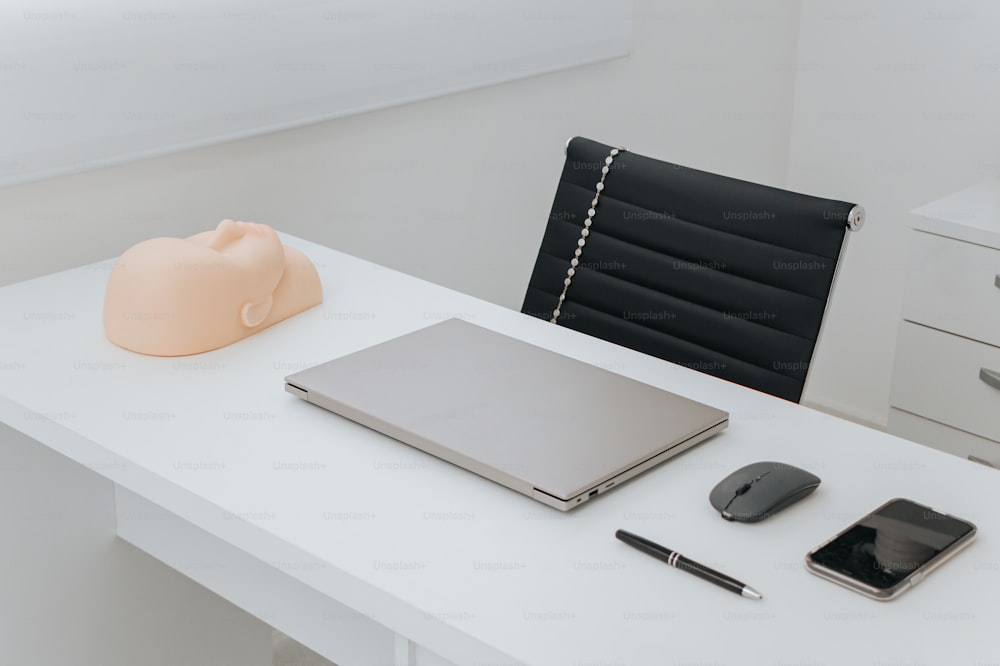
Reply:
x=942 y=437
x=937 y=375
x=953 y=286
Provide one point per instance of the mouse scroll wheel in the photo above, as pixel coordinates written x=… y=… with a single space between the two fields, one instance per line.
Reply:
x=742 y=489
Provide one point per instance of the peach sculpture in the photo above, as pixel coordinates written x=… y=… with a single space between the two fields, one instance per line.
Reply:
x=182 y=296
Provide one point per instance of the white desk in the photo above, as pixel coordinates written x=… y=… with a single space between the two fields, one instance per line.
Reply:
x=371 y=552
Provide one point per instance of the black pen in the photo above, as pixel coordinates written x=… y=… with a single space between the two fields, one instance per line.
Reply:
x=678 y=561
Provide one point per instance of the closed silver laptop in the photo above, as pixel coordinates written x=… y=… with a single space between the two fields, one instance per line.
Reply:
x=551 y=427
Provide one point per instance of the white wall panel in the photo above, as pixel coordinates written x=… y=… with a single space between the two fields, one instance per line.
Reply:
x=98 y=83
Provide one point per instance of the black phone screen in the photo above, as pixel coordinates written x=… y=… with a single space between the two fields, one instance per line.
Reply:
x=889 y=544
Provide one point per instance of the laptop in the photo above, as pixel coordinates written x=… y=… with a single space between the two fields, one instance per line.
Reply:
x=551 y=427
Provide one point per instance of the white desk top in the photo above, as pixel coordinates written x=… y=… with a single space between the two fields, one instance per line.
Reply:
x=972 y=215
x=463 y=566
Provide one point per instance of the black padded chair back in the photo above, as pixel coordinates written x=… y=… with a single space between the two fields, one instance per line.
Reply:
x=720 y=275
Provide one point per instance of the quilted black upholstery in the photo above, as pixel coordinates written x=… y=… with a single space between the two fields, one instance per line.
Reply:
x=717 y=274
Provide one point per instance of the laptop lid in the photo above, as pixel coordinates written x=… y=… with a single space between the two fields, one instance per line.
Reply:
x=547 y=425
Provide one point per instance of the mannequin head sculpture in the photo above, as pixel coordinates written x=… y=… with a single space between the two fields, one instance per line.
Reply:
x=181 y=296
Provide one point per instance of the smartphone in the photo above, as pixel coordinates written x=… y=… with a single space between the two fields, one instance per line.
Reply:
x=891 y=549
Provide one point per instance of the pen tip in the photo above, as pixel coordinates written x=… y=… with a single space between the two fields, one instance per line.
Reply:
x=752 y=593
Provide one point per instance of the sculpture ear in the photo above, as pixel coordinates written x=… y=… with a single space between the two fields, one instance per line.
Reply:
x=254 y=314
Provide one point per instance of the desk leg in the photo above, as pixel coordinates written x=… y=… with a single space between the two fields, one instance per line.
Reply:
x=406 y=652
x=409 y=653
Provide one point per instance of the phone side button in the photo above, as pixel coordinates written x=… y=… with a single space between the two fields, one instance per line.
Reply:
x=916 y=578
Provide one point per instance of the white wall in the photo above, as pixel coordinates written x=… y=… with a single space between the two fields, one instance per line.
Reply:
x=455 y=189
x=100 y=83
x=897 y=103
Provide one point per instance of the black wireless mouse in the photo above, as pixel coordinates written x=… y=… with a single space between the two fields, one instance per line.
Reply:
x=757 y=491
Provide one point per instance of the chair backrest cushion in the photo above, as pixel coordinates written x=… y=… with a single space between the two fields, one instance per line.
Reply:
x=718 y=274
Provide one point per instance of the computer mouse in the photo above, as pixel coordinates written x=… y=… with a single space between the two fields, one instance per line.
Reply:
x=760 y=490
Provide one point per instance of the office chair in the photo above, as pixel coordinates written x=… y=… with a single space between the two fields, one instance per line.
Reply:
x=721 y=275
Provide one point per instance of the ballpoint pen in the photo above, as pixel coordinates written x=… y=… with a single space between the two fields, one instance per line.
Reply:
x=678 y=561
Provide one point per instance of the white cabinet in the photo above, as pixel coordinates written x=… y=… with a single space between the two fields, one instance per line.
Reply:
x=946 y=378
